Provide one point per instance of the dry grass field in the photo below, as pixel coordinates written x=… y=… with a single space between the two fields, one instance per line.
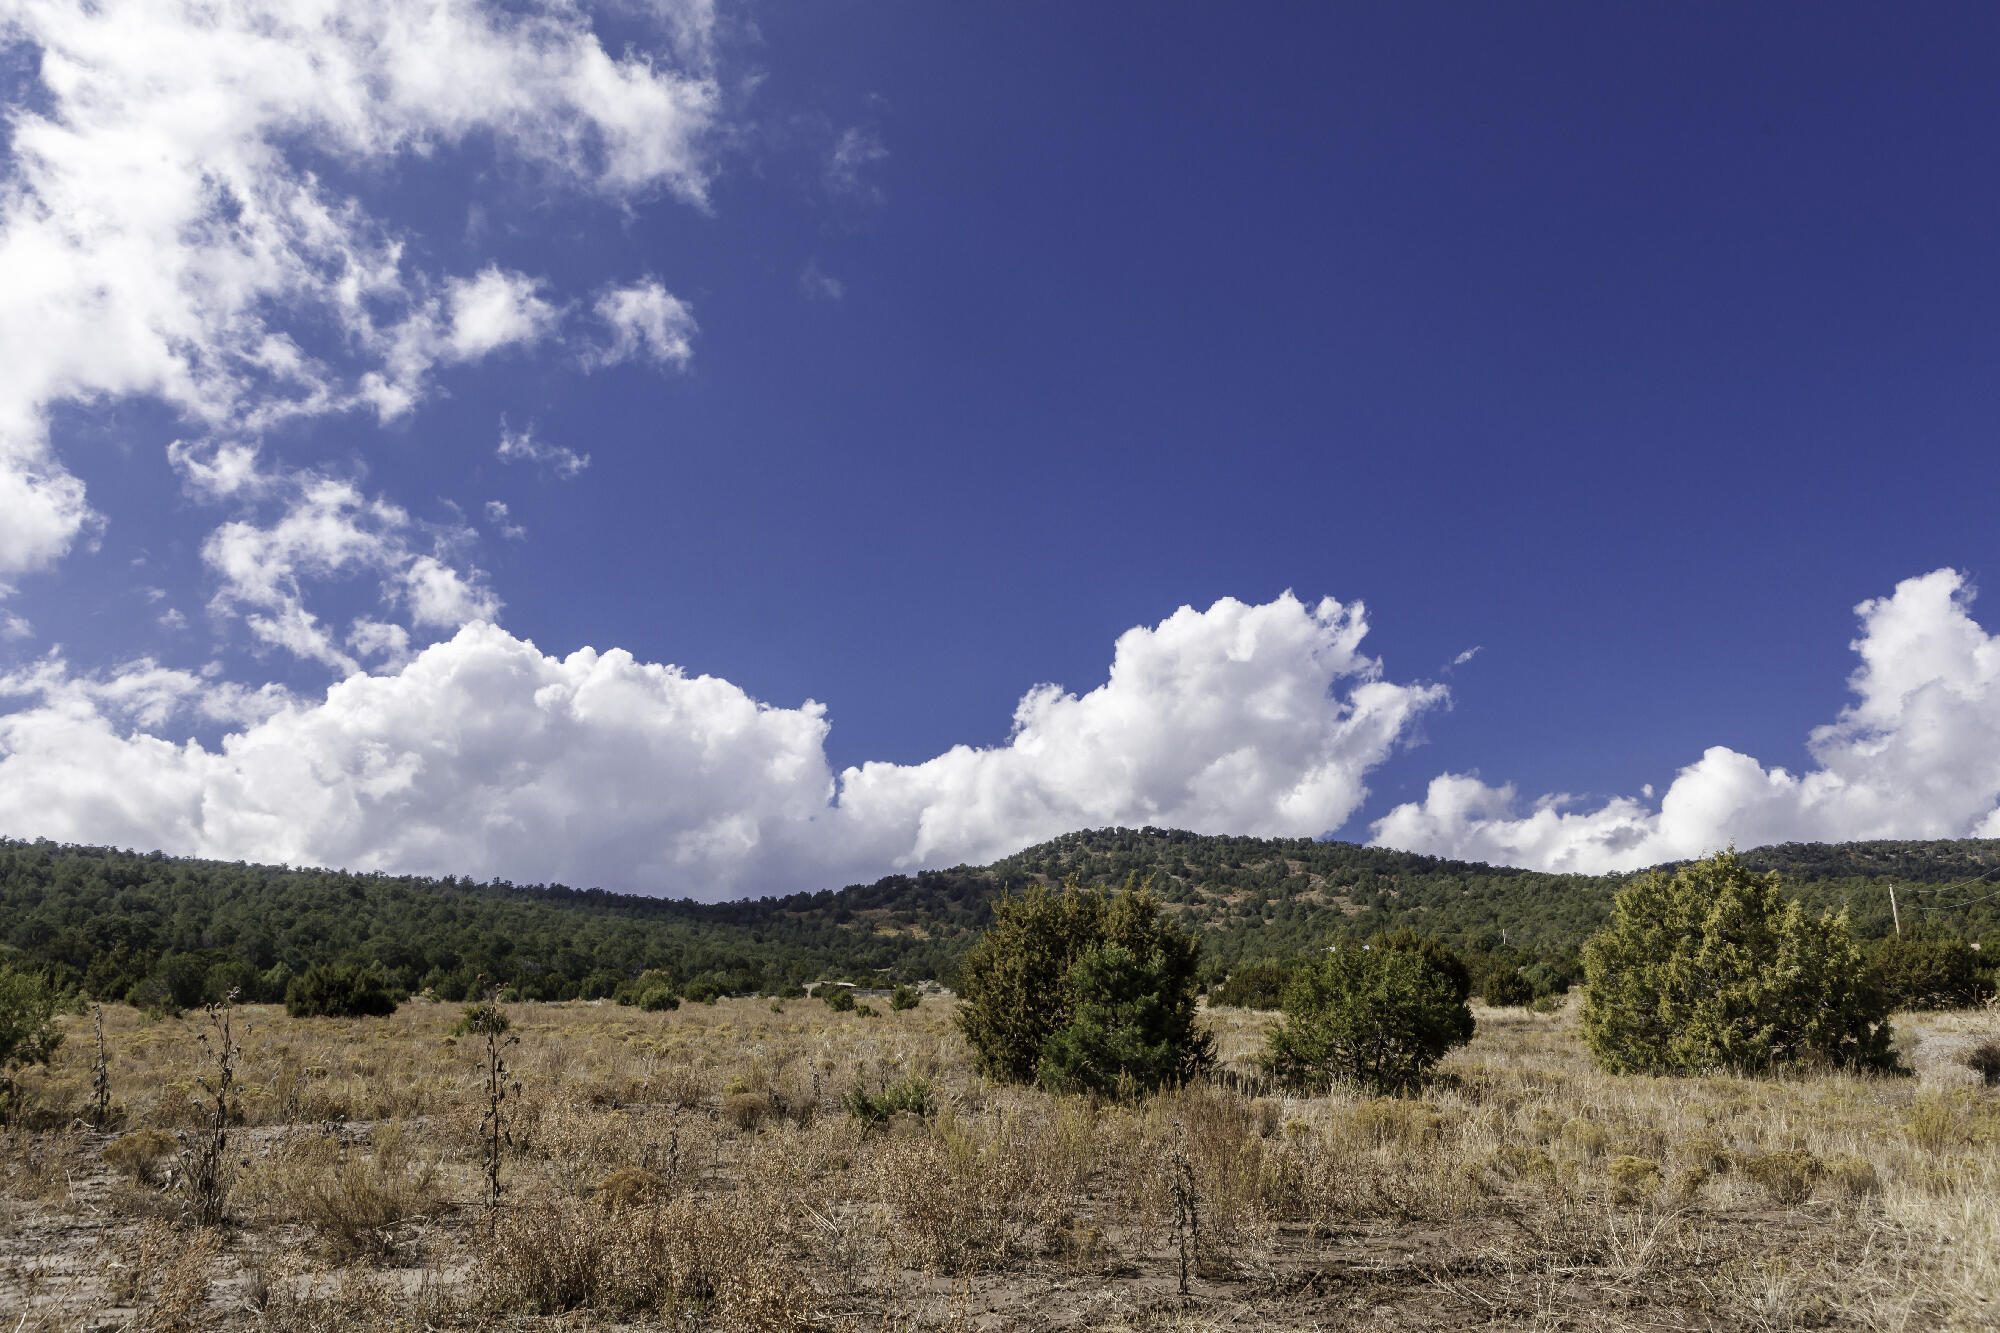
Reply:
x=697 y=1169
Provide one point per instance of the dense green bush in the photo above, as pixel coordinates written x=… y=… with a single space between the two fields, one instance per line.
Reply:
x=1123 y=1024
x=480 y=1019
x=903 y=998
x=1083 y=988
x=28 y=1031
x=838 y=998
x=1437 y=955
x=1258 y=986
x=1506 y=988
x=1715 y=968
x=658 y=998
x=653 y=991
x=908 y=1094
x=339 y=990
x=705 y=988
x=1381 y=1017
x=1929 y=969
x=601 y=984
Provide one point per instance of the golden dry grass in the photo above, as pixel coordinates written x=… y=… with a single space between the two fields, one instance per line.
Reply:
x=695 y=1169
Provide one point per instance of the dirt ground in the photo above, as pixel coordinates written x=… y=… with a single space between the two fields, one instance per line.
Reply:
x=707 y=1168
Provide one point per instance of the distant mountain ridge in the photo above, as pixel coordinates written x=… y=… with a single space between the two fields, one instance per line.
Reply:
x=145 y=926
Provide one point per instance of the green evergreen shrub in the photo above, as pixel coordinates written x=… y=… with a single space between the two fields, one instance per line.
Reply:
x=598 y=984
x=1382 y=1017
x=1440 y=956
x=1258 y=986
x=657 y=998
x=1930 y=969
x=653 y=991
x=1122 y=1025
x=481 y=1018
x=338 y=990
x=908 y=1094
x=1715 y=968
x=28 y=1031
x=838 y=998
x=903 y=998
x=705 y=988
x=1506 y=988
x=1083 y=987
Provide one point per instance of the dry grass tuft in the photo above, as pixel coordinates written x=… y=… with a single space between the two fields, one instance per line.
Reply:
x=1788 y=1177
x=685 y=1257
x=137 y=1156
x=354 y=1200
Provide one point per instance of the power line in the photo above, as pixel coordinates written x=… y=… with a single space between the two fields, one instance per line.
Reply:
x=1962 y=902
x=1934 y=905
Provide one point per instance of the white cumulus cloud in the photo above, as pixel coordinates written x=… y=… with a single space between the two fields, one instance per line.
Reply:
x=645 y=320
x=1916 y=755
x=482 y=755
x=496 y=309
x=1244 y=719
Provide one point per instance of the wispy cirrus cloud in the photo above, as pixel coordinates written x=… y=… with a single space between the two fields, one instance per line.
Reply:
x=522 y=446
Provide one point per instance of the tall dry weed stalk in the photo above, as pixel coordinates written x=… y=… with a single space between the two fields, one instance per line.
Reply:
x=493 y=1132
x=1187 y=1205
x=100 y=1074
x=204 y=1172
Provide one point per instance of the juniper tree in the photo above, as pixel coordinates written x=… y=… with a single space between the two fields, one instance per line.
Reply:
x=1078 y=987
x=1381 y=1017
x=1716 y=968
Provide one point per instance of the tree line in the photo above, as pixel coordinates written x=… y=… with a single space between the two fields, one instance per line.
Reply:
x=170 y=932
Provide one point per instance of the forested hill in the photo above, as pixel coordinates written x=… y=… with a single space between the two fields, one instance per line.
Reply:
x=150 y=927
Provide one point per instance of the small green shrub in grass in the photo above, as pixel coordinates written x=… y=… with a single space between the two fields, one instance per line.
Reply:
x=339 y=990
x=903 y=998
x=908 y=1094
x=481 y=1018
x=1258 y=986
x=1506 y=988
x=658 y=998
x=1380 y=1017
x=28 y=1031
x=1120 y=1027
x=1930 y=968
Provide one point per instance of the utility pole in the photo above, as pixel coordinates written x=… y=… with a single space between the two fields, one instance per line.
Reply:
x=1894 y=913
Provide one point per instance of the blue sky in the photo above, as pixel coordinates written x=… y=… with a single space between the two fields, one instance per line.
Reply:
x=918 y=353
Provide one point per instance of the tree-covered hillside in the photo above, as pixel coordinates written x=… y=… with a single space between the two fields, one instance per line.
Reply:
x=157 y=929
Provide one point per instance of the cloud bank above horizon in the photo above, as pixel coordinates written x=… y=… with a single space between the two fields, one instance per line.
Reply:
x=484 y=756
